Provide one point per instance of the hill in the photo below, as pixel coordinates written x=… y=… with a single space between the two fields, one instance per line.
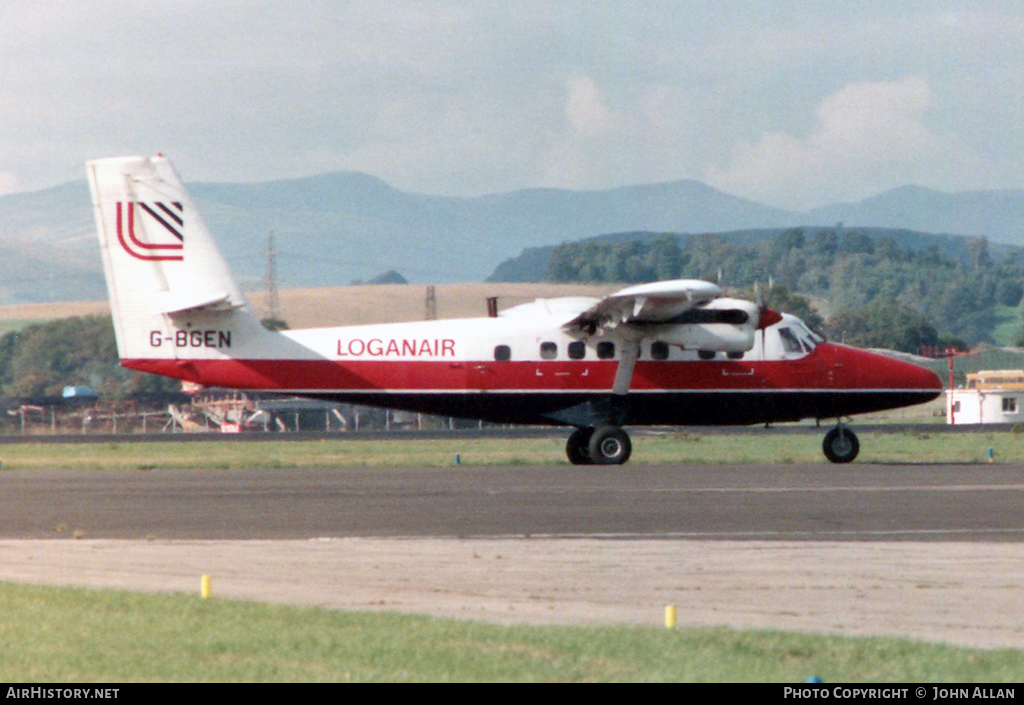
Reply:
x=341 y=227
x=955 y=288
x=998 y=215
x=532 y=264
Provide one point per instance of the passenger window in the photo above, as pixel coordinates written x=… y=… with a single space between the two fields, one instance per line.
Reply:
x=548 y=351
x=577 y=350
x=502 y=353
x=606 y=350
x=659 y=350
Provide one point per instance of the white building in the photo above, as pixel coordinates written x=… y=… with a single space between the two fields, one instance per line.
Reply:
x=990 y=396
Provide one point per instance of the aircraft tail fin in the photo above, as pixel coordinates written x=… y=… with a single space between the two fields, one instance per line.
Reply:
x=172 y=296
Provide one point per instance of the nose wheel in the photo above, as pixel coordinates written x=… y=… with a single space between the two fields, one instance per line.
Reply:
x=606 y=445
x=841 y=445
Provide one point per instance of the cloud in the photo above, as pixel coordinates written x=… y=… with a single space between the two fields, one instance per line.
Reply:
x=8 y=183
x=475 y=96
x=586 y=109
x=577 y=153
x=869 y=136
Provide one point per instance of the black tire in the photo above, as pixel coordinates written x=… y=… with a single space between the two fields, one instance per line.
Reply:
x=841 y=445
x=610 y=445
x=577 y=448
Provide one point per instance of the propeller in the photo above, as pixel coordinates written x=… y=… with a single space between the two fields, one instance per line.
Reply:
x=767 y=316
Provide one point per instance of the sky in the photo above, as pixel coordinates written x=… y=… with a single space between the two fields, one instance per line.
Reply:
x=793 y=104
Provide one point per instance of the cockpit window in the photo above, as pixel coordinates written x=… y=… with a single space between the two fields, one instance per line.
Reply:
x=789 y=341
x=809 y=339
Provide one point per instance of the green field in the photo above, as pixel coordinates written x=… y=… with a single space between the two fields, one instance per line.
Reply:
x=64 y=635
x=9 y=325
x=922 y=445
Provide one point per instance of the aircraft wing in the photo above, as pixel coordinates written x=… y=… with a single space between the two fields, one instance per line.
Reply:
x=657 y=302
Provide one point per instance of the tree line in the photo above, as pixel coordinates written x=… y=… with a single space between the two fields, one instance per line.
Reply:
x=41 y=359
x=879 y=292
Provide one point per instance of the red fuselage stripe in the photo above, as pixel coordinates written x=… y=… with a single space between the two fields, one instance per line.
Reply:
x=829 y=368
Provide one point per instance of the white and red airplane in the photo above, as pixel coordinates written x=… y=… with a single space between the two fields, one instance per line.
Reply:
x=666 y=353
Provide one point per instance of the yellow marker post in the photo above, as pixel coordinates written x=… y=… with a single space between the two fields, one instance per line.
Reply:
x=204 y=586
x=670 y=616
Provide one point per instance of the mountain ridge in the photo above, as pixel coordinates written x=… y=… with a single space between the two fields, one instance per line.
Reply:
x=342 y=226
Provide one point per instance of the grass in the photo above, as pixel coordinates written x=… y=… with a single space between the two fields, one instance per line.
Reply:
x=9 y=326
x=1007 y=324
x=74 y=635
x=774 y=446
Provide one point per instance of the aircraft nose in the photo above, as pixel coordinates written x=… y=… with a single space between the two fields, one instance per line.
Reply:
x=891 y=373
x=926 y=379
x=919 y=377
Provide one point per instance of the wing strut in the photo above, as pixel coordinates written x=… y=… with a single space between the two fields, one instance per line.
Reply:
x=627 y=363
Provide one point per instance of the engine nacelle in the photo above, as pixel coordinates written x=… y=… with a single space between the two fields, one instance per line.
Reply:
x=722 y=325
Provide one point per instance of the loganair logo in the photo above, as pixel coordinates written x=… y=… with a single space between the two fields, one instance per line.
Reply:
x=162 y=230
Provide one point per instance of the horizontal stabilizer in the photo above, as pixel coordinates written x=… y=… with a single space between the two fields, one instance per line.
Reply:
x=171 y=303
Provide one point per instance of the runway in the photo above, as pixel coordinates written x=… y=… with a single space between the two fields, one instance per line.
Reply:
x=921 y=551
x=817 y=502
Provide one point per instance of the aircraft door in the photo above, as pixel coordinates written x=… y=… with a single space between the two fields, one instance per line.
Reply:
x=483 y=375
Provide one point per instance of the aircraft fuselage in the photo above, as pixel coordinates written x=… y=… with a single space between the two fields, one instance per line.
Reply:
x=512 y=371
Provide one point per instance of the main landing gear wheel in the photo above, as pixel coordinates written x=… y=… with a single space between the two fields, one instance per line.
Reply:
x=577 y=448
x=841 y=445
x=609 y=445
